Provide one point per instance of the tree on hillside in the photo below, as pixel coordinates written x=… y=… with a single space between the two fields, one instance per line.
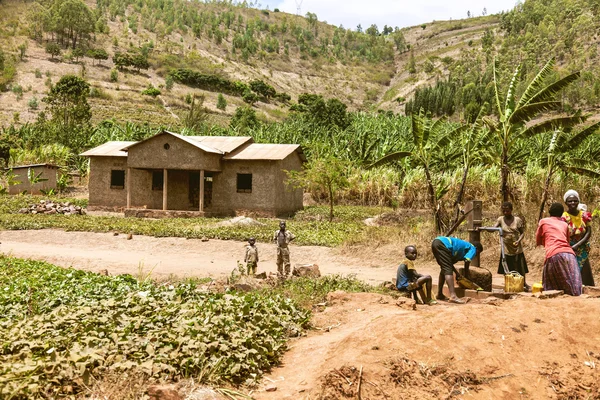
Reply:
x=53 y=49
x=75 y=21
x=316 y=109
x=67 y=101
x=244 y=119
x=514 y=115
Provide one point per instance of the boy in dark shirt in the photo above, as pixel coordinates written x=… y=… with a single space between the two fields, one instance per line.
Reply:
x=409 y=280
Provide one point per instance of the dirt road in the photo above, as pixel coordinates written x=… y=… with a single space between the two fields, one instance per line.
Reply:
x=175 y=256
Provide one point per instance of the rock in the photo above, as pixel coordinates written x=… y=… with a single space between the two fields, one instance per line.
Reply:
x=52 y=211
x=389 y=285
x=163 y=392
x=103 y=272
x=23 y=210
x=338 y=295
x=549 y=294
x=115 y=233
x=406 y=303
x=480 y=276
x=204 y=239
x=262 y=275
x=306 y=270
x=371 y=221
x=129 y=236
x=242 y=287
x=593 y=291
x=492 y=301
x=270 y=388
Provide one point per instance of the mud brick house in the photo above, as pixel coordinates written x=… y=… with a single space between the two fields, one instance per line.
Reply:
x=174 y=175
x=46 y=175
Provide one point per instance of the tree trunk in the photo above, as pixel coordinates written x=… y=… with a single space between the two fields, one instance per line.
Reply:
x=504 y=177
x=461 y=193
x=432 y=200
x=545 y=193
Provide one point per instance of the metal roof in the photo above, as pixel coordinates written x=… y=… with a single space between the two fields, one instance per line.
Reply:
x=257 y=151
x=187 y=139
x=33 y=166
x=108 y=149
x=226 y=144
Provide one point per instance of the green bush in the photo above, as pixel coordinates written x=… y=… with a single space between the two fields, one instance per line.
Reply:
x=151 y=91
x=114 y=75
x=33 y=103
x=208 y=82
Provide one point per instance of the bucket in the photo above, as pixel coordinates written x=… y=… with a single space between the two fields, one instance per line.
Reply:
x=514 y=282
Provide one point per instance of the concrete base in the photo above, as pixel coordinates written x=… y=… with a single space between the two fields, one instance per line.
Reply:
x=145 y=213
x=473 y=294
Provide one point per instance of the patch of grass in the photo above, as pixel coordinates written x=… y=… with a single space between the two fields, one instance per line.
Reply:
x=308 y=292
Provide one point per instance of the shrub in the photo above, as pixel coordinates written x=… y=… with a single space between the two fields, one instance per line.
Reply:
x=221 y=102
x=250 y=97
x=151 y=91
x=33 y=103
x=38 y=73
x=169 y=82
x=114 y=75
x=208 y=82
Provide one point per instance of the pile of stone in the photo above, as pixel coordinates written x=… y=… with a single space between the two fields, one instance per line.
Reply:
x=49 y=207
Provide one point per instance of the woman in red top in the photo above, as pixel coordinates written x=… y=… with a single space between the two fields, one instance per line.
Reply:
x=561 y=271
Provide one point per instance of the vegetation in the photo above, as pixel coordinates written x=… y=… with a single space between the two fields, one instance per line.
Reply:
x=68 y=327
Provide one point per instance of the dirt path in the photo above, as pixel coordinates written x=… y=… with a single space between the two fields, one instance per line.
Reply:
x=175 y=256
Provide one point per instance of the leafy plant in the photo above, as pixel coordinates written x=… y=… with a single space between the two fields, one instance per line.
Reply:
x=151 y=91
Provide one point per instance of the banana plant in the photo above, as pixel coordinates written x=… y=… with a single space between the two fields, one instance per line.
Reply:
x=429 y=137
x=514 y=116
x=560 y=156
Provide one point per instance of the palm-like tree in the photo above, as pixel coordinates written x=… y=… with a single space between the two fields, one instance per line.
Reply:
x=428 y=139
x=514 y=115
x=560 y=156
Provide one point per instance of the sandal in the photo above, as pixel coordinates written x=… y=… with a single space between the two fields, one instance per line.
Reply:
x=432 y=302
x=459 y=301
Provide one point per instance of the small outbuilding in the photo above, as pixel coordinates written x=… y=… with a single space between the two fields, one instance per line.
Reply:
x=174 y=175
x=34 y=178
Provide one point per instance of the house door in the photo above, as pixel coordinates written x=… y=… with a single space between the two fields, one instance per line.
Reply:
x=194 y=189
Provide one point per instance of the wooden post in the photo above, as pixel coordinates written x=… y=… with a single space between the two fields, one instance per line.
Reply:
x=474 y=221
x=128 y=178
x=165 y=189
x=201 y=197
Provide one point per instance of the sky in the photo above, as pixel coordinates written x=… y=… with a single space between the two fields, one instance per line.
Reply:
x=393 y=13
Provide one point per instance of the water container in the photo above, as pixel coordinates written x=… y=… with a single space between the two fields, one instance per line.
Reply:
x=537 y=287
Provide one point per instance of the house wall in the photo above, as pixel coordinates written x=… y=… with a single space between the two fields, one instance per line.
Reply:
x=289 y=200
x=48 y=173
x=101 y=195
x=270 y=194
x=151 y=154
x=227 y=200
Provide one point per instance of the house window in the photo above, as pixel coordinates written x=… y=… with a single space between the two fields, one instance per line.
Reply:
x=244 y=183
x=117 y=179
x=157 y=180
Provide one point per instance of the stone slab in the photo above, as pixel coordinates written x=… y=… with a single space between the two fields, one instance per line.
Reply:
x=593 y=291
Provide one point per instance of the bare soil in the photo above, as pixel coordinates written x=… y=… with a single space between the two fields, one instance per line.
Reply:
x=520 y=349
x=163 y=257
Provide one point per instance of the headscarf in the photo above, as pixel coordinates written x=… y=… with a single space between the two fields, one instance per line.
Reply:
x=572 y=192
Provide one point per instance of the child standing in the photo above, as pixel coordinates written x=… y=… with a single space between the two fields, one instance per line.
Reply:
x=251 y=258
x=409 y=280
